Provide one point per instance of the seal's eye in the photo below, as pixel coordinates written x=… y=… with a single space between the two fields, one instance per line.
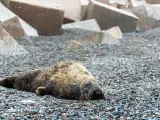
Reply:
x=88 y=85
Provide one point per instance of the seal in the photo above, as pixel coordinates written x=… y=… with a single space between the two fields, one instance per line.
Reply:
x=66 y=80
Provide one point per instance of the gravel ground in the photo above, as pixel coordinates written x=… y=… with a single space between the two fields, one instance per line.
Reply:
x=129 y=71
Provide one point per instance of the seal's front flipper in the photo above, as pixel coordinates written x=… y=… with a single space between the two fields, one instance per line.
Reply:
x=41 y=91
x=7 y=81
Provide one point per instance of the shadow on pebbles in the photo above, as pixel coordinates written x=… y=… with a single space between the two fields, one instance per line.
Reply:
x=129 y=71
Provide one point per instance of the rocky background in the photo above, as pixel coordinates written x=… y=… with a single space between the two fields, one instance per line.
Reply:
x=117 y=40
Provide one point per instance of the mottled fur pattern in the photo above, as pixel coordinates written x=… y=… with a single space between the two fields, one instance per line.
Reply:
x=67 y=80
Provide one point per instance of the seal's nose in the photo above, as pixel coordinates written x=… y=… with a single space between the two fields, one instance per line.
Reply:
x=96 y=94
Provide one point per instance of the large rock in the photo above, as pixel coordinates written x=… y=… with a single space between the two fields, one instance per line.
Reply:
x=8 y=46
x=146 y=19
x=153 y=11
x=145 y=22
x=46 y=17
x=136 y=3
x=120 y=3
x=108 y=17
x=114 y=4
x=153 y=1
x=6 y=2
x=104 y=1
x=102 y=37
x=17 y=28
x=115 y=32
x=14 y=25
x=72 y=9
x=90 y=25
x=84 y=5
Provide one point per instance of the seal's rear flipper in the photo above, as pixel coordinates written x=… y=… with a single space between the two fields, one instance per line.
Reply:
x=7 y=81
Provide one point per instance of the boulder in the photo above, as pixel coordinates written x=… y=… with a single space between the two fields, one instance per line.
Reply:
x=102 y=37
x=108 y=16
x=6 y=2
x=115 y=32
x=90 y=25
x=136 y=3
x=120 y=3
x=45 y=16
x=114 y=4
x=17 y=28
x=84 y=5
x=104 y=1
x=153 y=1
x=8 y=45
x=72 y=9
x=15 y=25
x=146 y=20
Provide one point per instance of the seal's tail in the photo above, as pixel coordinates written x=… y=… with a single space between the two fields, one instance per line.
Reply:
x=7 y=81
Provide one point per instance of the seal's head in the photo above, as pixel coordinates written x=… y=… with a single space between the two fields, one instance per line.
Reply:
x=92 y=91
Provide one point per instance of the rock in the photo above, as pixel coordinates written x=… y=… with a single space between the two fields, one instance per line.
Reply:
x=6 y=2
x=99 y=38
x=104 y=1
x=153 y=11
x=72 y=9
x=108 y=17
x=136 y=3
x=45 y=16
x=84 y=5
x=153 y=1
x=15 y=25
x=145 y=21
x=109 y=39
x=120 y=3
x=5 y=13
x=17 y=28
x=114 y=4
x=8 y=45
x=90 y=25
x=73 y=45
x=115 y=32
x=28 y=101
x=93 y=38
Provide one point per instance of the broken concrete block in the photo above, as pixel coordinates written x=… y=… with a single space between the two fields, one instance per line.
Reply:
x=73 y=45
x=109 y=39
x=6 y=2
x=114 y=4
x=15 y=25
x=47 y=18
x=124 y=6
x=72 y=9
x=104 y=1
x=108 y=17
x=115 y=32
x=90 y=25
x=101 y=37
x=17 y=28
x=145 y=22
x=84 y=5
x=5 y=13
x=136 y=3
x=8 y=45
x=120 y=2
x=153 y=11
x=153 y=1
